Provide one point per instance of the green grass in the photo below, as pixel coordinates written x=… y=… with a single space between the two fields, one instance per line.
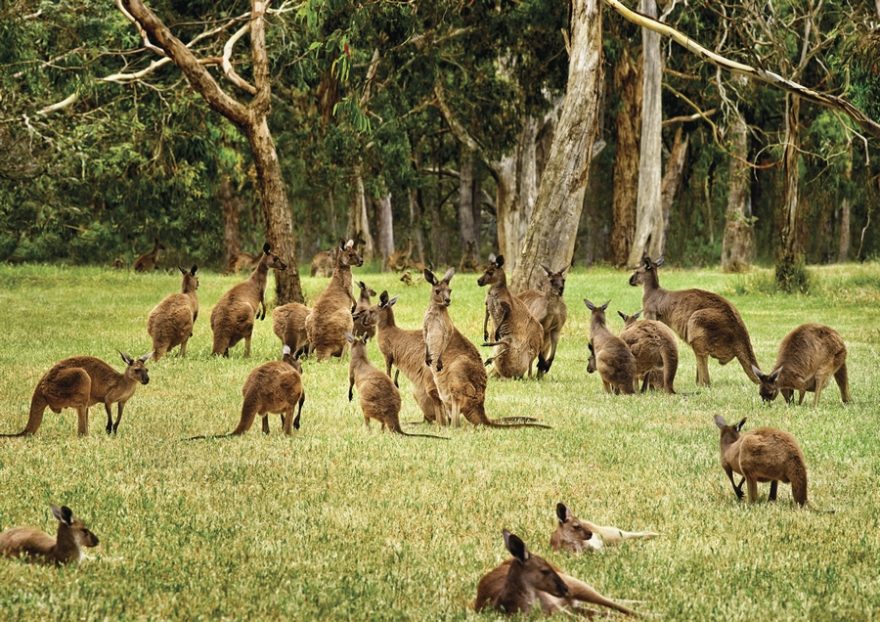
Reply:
x=338 y=523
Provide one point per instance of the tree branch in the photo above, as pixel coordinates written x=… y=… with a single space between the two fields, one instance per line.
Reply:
x=263 y=96
x=226 y=63
x=67 y=102
x=769 y=77
x=458 y=130
x=686 y=118
x=144 y=36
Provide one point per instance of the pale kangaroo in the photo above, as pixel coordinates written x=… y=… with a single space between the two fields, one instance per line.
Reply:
x=37 y=546
x=576 y=536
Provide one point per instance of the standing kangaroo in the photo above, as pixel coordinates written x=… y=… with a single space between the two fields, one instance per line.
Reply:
x=37 y=546
x=363 y=304
x=518 y=336
x=575 y=535
x=653 y=346
x=525 y=581
x=81 y=381
x=610 y=356
x=808 y=356
x=149 y=261
x=762 y=455
x=707 y=322
x=548 y=308
x=232 y=318
x=171 y=321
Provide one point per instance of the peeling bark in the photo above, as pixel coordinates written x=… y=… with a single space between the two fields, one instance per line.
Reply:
x=736 y=247
x=385 y=227
x=627 y=82
x=672 y=178
x=790 y=274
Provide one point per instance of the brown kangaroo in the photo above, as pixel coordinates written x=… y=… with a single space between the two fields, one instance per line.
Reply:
x=37 y=546
x=762 y=455
x=575 y=535
x=518 y=337
x=363 y=303
x=548 y=308
x=81 y=381
x=149 y=261
x=808 y=357
x=232 y=318
x=525 y=581
x=707 y=322
x=323 y=263
x=653 y=346
x=289 y=324
x=406 y=350
x=612 y=359
x=171 y=321
x=273 y=387
x=455 y=363
x=331 y=317
x=379 y=398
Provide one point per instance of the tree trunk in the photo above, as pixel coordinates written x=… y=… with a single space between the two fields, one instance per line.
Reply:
x=466 y=202
x=628 y=84
x=844 y=239
x=415 y=224
x=517 y=191
x=385 y=229
x=790 y=275
x=648 y=236
x=672 y=178
x=553 y=228
x=276 y=210
x=358 y=221
x=736 y=247
x=231 y=205
x=477 y=195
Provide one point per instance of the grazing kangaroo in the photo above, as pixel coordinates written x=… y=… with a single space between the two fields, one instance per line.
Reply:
x=171 y=321
x=808 y=357
x=707 y=322
x=37 y=546
x=81 y=381
x=762 y=455
x=330 y=318
x=612 y=359
x=518 y=337
x=289 y=324
x=406 y=350
x=149 y=261
x=575 y=535
x=525 y=581
x=653 y=346
x=363 y=304
x=273 y=387
x=379 y=398
x=323 y=263
x=455 y=363
x=548 y=308
x=233 y=316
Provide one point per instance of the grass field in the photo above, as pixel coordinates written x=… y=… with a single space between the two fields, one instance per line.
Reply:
x=338 y=523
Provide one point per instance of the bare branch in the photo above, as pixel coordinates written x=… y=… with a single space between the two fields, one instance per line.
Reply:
x=146 y=39
x=64 y=103
x=686 y=118
x=228 y=69
x=371 y=76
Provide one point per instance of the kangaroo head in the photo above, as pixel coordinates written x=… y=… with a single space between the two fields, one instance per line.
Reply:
x=190 y=280
x=555 y=280
x=271 y=260
x=347 y=255
x=533 y=571
x=440 y=290
x=136 y=369
x=729 y=433
x=494 y=271
x=591 y=361
x=385 y=301
x=629 y=320
x=572 y=529
x=598 y=312
x=647 y=269
x=366 y=292
x=769 y=387
x=81 y=534
x=290 y=358
x=364 y=320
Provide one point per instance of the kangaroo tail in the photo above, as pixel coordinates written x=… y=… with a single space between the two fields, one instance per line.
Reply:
x=442 y=438
x=517 y=419
x=35 y=416
x=493 y=423
x=629 y=535
x=207 y=436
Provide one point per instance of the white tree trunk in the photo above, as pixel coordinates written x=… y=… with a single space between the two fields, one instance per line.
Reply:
x=844 y=239
x=516 y=193
x=736 y=247
x=358 y=221
x=385 y=219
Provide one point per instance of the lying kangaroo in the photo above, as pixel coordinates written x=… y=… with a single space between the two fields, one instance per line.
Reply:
x=526 y=580
x=576 y=535
x=80 y=382
x=38 y=546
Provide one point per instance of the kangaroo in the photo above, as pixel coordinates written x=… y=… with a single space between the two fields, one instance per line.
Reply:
x=331 y=317
x=406 y=350
x=233 y=316
x=612 y=359
x=518 y=337
x=653 y=346
x=808 y=356
x=37 y=546
x=149 y=261
x=575 y=535
x=289 y=324
x=707 y=322
x=323 y=263
x=81 y=381
x=526 y=580
x=363 y=303
x=171 y=321
x=548 y=308
x=762 y=455
x=273 y=387
x=455 y=363
x=379 y=398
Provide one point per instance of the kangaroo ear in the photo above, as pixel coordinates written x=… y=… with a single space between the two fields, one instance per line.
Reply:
x=393 y=301
x=622 y=315
x=547 y=270
x=125 y=358
x=499 y=261
x=759 y=373
x=383 y=298
x=636 y=315
x=182 y=269
x=774 y=375
x=285 y=350
x=429 y=277
x=590 y=305
x=361 y=285
x=449 y=274
x=349 y=244
x=590 y=346
x=491 y=257
x=192 y=270
x=516 y=546
x=720 y=422
x=646 y=260
x=342 y=244
x=146 y=357
x=739 y=426
x=63 y=514
x=562 y=512
x=349 y=337
x=266 y=248
x=658 y=263
x=605 y=306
